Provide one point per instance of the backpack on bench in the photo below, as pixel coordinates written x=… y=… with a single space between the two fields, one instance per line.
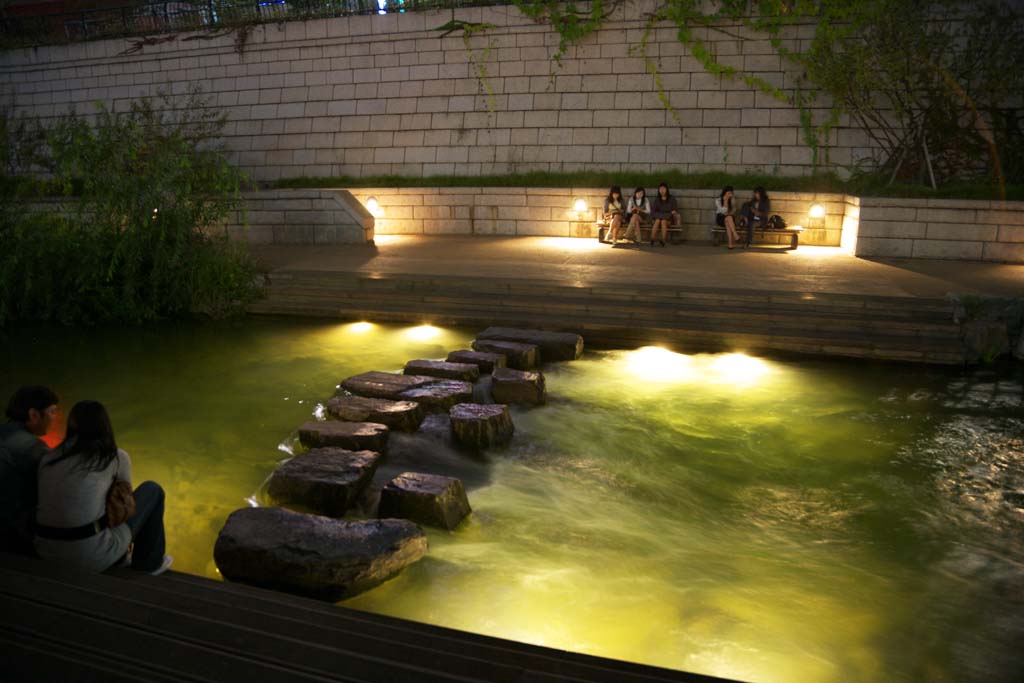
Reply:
x=776 y=222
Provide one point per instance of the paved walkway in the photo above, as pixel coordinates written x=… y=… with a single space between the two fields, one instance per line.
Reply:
x=584 y=261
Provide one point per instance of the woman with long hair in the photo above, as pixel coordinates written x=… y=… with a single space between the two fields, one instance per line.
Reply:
x=638 y=210
x=725 y=215
x=664 y=211
x=756 y=212
x=71 y=517
x=614 y=210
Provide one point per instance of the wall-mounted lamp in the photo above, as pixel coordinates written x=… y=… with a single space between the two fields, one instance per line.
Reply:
x=579 y=205
x=374 y=207
x=817 y=211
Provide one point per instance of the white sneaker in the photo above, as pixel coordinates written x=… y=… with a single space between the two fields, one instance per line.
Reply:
x=164 y=566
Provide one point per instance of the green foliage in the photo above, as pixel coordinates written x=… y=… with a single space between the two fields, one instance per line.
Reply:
x=940 y=76
x=133 y=234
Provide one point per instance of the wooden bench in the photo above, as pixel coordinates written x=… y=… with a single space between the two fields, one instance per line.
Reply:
x=718 y=234
x=675 y=231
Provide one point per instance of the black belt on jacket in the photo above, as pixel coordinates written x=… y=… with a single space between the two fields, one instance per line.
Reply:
x=76 y=533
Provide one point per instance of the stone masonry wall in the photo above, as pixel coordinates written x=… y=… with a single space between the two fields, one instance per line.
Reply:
x=302 y=217
x=955 y=229
x=387 y=94
x=550 y=211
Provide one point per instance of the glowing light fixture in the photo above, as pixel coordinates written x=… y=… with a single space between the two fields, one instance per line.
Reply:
x=739 y=368
x=422 y=332
x=579 y=205
x=373 y=206
x=817 y=211
x=360 y=327
x=657 y=364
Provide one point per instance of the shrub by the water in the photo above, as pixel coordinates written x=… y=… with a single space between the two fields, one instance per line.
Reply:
x=128 y=224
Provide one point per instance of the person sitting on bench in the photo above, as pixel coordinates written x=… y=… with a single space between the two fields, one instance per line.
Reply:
x=614 y=210
x=724 y=215
x=638 y=210
x=756 y=212
x=664 y=211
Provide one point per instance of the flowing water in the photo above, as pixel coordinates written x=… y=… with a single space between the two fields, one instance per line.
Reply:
x=766 y=520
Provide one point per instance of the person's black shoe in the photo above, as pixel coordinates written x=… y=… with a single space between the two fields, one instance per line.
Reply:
x=662 y=242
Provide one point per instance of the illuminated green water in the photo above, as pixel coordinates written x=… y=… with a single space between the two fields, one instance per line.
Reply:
x=766 y=520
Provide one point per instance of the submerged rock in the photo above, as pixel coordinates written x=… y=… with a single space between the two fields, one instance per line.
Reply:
x=481 y=426
x=312 y=555
x=383 y=384
x=517 y=386
x=519 y=356
x=553 y=345
x=354 y=436
x=402 y=415
x=440 y=394
x=467 y=372
x=484 y=360
x=428 y=499
x=325 y=480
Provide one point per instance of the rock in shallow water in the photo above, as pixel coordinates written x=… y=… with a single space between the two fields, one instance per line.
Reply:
x=402 y=415
x=467 y=372
x=325 y=480
x=314 y=556
x=383 y=384
x=440 y=394
x=428 y=499
x=484 y=360
x=553 y=345
x=353 y=436
x=516 y=386
x=519 y=356
x=481 y=425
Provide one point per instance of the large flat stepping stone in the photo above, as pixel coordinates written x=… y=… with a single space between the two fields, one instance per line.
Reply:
x=315 y=556
x=325 y=480
x=484 y=360
x=383 y=384
x=480 y=425
x=353 y=436
x=428 y=499
x=466 y=372
x=518 y=386
x=402 y=415
x=519 y=356
x=553 y=345
x=439 y=395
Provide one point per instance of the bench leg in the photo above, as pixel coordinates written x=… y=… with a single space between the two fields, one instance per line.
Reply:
x=793 y=241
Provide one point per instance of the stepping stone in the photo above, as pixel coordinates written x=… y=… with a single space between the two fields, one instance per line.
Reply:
x=353 y=436
x=315 y=556
x=428 y=499
x=383 y=384
x=441 y=394
x=519 y=356
x=402 y=415
x=553 y=345
x=480 y=425
x=467 y=372
x=325 y=480
x=482 y=359
x=517 y=386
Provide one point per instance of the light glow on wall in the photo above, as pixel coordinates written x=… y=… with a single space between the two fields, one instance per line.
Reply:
x=817 y=211
x=373 y=206
x=579 y=205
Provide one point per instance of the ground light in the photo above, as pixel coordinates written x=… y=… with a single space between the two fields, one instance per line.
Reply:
x=657 y=364
x=422 y=332
x=739 y=368
x=360 y=327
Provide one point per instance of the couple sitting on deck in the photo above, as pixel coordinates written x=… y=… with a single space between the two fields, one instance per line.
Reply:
x=753 y=215
x=74 y=503
x=638 y=212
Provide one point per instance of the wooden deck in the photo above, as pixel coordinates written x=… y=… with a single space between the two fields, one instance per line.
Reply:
x=56 y=625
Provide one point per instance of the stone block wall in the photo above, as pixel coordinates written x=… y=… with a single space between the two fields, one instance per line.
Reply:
x=302 y=217
x=389 y=94
x=550 y=211
x=955 y=229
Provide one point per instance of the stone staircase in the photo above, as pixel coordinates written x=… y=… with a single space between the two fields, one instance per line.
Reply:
x=612 y=315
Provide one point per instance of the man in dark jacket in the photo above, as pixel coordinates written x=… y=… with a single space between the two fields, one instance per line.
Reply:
x=31 y=412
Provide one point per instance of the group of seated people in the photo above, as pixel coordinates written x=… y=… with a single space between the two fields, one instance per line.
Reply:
x=74 y=503
x=638 y=211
